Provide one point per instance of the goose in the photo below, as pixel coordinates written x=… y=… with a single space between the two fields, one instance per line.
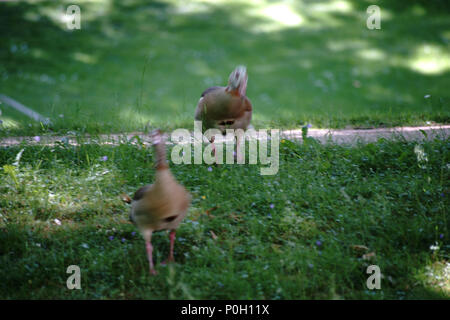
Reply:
x=161 y=205
x=226 y=107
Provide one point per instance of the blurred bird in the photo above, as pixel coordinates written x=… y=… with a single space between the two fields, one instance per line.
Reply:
x=161 y=205
x=226 y=107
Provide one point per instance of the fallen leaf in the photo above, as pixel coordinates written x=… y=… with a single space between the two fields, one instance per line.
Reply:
x=213 y=235
x=359 y=247
x=208 y=211
x=125 y=198
x=346 y=196
x=235 y=217
x=275 y=247
x=369 y=256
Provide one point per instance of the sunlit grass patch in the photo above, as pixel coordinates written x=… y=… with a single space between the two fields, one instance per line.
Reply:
x=135 y=62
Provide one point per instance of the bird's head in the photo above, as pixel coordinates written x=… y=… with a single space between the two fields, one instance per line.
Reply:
x=238 y=80
x=158 y=142
x=157 y=137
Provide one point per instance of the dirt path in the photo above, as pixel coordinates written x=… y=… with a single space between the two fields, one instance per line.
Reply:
x=352 y=136
x=340 y=136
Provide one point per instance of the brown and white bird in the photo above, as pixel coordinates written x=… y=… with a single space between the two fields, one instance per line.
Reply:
x=161 y=205
x=226 y=107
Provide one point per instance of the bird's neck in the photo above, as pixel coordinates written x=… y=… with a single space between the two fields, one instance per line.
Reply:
x=233 y=92
x=161 y=161
x=164 y=179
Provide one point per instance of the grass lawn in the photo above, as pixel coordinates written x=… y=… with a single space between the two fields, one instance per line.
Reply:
x=288 y=236
x=308 y=232
x=136 y=62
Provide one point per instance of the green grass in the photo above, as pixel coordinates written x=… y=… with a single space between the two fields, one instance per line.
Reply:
x=136 y=62
x=377 y=195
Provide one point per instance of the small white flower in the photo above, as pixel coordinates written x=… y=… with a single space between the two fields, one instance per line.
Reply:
x=427 y=96
x=420 y=154
x=57 y=221
x=434 y=247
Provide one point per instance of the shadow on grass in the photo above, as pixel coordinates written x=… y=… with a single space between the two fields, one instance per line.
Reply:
x=113 y=262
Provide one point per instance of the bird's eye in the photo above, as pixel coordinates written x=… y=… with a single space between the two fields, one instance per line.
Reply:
x=170 y=219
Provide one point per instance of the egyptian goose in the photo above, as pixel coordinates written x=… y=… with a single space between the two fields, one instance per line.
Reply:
x=226 y=107
x=161 y=205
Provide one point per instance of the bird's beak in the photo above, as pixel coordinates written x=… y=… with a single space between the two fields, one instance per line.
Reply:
x=156 y=136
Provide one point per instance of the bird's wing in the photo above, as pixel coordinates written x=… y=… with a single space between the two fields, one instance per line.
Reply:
x=211 y=89
x=139 y=194
x=248 y=105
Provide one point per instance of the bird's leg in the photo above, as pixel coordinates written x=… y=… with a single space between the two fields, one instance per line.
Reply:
x=213 y=147
x=149 y=247
x=238 y=151
x=172 y=242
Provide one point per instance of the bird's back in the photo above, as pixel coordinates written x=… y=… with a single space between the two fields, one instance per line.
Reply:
x=217 y=107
